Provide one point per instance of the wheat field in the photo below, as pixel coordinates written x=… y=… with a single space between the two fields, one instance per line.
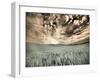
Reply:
x=56 y=55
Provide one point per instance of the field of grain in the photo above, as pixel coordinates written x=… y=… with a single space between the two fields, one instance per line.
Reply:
x=38 y=55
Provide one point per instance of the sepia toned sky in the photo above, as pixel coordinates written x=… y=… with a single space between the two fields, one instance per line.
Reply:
x=51 y=28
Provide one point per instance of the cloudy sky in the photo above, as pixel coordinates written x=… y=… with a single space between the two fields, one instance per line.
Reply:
x=50 y=28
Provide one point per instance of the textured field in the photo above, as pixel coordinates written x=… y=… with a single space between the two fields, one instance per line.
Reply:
x=56 y=55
